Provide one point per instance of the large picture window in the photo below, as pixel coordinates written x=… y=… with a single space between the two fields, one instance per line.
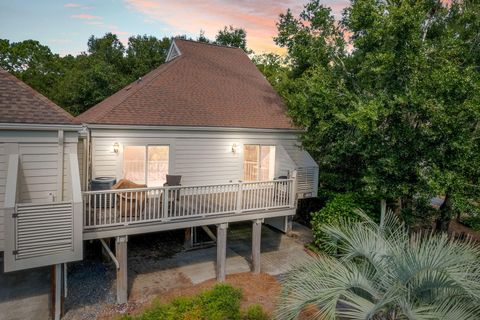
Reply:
x=258 y=162
x=146 y=164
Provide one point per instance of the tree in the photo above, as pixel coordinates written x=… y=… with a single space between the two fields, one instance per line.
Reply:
x=145 y=53
x=274 y=68
x=89 y=82
x=398 y=116
x=202 y=37
x=33 y=63
x=95 y=75
x=108 y=49
x=382 y=272
x=234 y=37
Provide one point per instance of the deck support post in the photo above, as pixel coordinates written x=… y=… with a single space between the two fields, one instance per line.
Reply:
x=188 y=243
x=221 y=251
x=57 y=281
x=122 y=275
x=256 y=244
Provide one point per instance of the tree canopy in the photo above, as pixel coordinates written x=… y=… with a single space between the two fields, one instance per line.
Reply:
x=234 y=37
x=389 y=97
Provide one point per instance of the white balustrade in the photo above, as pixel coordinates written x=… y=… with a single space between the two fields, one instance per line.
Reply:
x=124 y=207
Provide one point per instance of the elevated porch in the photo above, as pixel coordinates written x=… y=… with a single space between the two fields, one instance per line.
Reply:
x=110 y=213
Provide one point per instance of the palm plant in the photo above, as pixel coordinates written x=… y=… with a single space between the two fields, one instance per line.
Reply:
x=382 y=272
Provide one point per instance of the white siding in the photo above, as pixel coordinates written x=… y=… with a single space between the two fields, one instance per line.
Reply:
x=38 y=172
x=207 y=161
x=201 y=158
x=283 y=163
x=3 y=174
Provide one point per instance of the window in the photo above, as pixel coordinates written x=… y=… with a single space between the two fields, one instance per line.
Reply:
x=146 y=164
x=258 y=162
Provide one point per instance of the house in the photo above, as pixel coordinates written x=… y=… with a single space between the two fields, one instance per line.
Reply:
x=208 y=115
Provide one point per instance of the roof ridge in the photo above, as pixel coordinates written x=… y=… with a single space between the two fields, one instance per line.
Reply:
x=36 y=94
x=142 y=84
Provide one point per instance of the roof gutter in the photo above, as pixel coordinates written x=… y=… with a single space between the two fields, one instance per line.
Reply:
x=39 y=127
x=189 y=128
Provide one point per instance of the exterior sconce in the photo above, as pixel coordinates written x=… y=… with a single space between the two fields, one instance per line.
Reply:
x=116 y=147
x=234 y=148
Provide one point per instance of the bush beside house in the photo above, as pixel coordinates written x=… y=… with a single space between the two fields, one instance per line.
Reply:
x=219 y=303
x=340 y=206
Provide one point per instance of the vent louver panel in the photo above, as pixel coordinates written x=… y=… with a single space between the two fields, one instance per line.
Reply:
x=43 y=229
x=306 y=181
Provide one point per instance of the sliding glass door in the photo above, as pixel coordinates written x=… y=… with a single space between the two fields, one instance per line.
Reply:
x=146 y=164
x=258 y=162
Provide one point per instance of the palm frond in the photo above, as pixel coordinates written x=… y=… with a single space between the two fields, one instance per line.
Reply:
x=382 y=273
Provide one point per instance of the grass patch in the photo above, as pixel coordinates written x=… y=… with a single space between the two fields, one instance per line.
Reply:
x=222 y=302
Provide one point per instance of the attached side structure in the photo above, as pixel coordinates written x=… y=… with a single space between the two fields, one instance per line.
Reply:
x=40 y=195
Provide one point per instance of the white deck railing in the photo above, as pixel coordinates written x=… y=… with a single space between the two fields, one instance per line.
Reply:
x=124 y=207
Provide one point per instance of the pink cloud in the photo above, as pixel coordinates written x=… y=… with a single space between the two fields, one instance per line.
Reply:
x=85 y=16
x=258 y=18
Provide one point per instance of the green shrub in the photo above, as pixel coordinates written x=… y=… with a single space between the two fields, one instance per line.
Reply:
x=472 y=222
x=340 y=206
x=255 y=312
x=222 y=302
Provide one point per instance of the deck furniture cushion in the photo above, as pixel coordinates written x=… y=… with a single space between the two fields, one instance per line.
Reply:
x=130 y=203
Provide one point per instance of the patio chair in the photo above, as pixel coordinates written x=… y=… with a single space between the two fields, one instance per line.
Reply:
x=173 y=181
x=130 y=203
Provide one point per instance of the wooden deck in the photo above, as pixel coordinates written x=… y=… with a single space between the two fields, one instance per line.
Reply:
x=179 y=207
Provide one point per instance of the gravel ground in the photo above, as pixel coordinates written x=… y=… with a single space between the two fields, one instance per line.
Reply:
x=91 y=282
x=91 y=288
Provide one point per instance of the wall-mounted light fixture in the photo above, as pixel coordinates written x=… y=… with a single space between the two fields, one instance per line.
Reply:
x=234 y=148
x=116 y=147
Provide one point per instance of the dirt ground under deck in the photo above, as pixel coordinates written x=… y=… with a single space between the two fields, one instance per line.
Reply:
x=159 y=268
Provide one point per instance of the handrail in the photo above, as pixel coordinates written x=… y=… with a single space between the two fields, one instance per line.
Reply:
x=178 y=187
x=122 y=207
